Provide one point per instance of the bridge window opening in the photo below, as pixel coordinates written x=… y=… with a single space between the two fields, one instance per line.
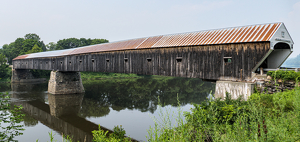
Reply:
x=70 y=62
x=125 y=59
x=93 y=60
x=41 y=62
x=149 y=59
x=60 y=62
x=179 y=59
x=227 y=59
x=46 y=62
x=80 y=61
x=107 y=60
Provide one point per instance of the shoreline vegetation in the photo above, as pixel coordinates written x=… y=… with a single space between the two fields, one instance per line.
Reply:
x=84 y=75
x=263 y=117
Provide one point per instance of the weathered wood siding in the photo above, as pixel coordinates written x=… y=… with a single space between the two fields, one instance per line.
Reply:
x=206 y=62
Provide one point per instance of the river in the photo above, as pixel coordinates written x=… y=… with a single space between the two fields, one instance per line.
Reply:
x=132 y=103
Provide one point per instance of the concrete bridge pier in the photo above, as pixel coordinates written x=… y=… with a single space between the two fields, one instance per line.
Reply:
x=235 y=89
x=65 y=83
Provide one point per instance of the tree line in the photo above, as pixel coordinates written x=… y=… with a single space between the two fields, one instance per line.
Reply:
x=32 y=43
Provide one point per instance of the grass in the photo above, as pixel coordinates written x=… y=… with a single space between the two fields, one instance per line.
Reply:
x=99 y=75
x=264 y=117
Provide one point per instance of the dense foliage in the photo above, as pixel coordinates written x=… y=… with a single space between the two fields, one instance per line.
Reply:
x=23 y=46
x=118 y=135
x=5 y=71
x=74 y=42
x=284 y=75
x=31 y=43
x=264 y=117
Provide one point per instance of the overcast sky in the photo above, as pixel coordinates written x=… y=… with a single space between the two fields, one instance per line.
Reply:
x=128 y=19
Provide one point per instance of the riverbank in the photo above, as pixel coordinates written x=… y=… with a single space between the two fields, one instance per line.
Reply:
x=269 y=115
x=90 y=76
x=105 y=75
x=272 y=114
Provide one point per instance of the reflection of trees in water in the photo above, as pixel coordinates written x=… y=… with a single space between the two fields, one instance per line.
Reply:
x=4 y=87
x=141 y=94
x=28 y=91
x=29 y=121
x=118 y=94
x=93 y=108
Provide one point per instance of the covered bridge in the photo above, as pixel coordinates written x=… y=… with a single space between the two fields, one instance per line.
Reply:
x=221 y=54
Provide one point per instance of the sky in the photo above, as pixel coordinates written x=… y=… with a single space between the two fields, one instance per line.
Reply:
x=117 y=20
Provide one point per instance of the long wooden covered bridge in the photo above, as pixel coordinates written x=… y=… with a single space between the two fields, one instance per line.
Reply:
x=222 y=54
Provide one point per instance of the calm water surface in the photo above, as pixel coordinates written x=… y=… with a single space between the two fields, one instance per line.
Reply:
x=131 y=103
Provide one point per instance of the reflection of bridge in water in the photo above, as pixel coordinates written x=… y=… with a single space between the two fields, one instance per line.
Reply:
x=60 y=115
x=66 y=113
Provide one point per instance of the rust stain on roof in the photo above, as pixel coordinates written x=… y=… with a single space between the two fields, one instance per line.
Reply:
x=253 y=33
x=21 y=57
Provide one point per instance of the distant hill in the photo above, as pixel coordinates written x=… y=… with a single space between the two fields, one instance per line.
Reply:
x=292 y=62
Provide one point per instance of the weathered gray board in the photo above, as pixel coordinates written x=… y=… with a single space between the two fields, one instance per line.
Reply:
x=205 y=62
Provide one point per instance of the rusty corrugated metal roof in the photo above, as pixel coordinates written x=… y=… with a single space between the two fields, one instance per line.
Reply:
x=253 y=33
x=21 y=57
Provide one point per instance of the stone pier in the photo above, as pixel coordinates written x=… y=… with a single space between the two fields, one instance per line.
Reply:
x=65 y=83
x=24 y=76
x=235 y=89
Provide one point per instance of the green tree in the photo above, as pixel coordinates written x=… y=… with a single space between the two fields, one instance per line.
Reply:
x=3 y=67
x=74 y=42
x=68 y=43
x=27 y=45
x=99 y=41
x=51 y=46
x=3 y=59
x=32 y=36
x=35 y=49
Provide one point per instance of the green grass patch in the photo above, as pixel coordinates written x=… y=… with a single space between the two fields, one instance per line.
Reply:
x=264 y=117
x=99 y=75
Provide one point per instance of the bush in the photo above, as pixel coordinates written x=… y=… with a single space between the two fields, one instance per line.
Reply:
x=264 y=117
x=117 y=136
x=5 y=71
x=284 y=75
